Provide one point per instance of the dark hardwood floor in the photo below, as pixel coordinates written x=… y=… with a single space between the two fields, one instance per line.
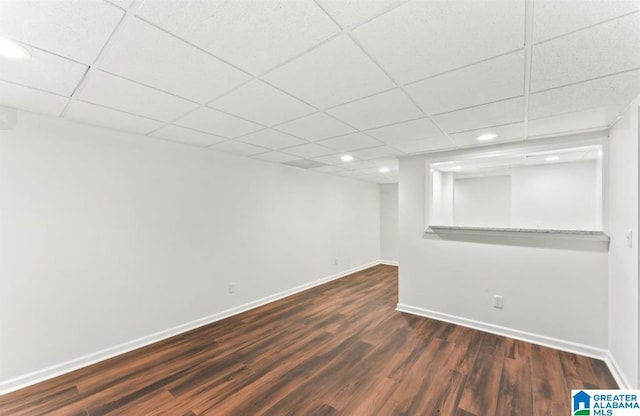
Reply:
x=337 y=349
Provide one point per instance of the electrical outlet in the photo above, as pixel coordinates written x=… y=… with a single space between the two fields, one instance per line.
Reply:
x=335 y=261
x=498 y=301
x=232 y=287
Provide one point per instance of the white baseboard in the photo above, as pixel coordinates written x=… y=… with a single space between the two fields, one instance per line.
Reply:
x=56 y=370
x=558 y=344
x=388 y=262
x=617 y=372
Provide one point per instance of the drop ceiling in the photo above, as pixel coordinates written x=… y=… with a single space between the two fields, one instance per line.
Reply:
x=302 y=82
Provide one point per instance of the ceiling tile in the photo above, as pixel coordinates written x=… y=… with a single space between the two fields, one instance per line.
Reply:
x=125 y=4
x=44 y=71
x=424 y=145
x=305 y=164
x=424 y=38
x=31 y=100
x=593 y=119
x=121 y=94
x=335 y=160
x=365 y=176
x=553 y=18
x=353 y=12
x=170 y=65
x=277 y=157
x=349 y=142
x=508 y=132
x=106 y=117
x=359 y=165
x=378 y=110
x=237 y=148
x=494 y=114
x=375 y=172
x=408 y=131
x=392 y=164
x=76 y=29
x=309 y=150
x=376 y=153
x=329 y=169
x=271 y=139
x=604 y=49
x=254 y=35
x=315 y=127
x=492 y=80
x=262 y=103
x=614 y=90
x=352 y=173
x=334 y=73
x=215 y=122
x=187 y=136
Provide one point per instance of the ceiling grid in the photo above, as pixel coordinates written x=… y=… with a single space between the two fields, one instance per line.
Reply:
x=288 y=81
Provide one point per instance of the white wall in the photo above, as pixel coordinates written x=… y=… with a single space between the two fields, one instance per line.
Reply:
x=108 y=237
x=389 y=222
x=482 y=201
x=545 y=282
x=555 y=196
x=623 y=260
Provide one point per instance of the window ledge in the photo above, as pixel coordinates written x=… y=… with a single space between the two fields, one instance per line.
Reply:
x=520 y=232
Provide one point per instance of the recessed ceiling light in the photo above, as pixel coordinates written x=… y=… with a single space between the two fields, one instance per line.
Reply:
x=552 y=158
x=384 y=170
x=486 y=137
x=10 y=49
x=456 y=168
x=346 y=158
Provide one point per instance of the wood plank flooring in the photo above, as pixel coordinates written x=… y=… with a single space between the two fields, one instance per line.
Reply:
x=337 y=349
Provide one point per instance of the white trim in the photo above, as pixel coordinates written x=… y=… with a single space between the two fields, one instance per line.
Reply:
x=388 y=262
x=617 y=372
x=56 y=370
x=543 y=340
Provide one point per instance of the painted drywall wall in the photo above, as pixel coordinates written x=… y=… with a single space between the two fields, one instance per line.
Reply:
x=108 y=237
x=482 y=201
x=623 y=259
x=542 y=280
x=389 y=222
x=556 y=195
